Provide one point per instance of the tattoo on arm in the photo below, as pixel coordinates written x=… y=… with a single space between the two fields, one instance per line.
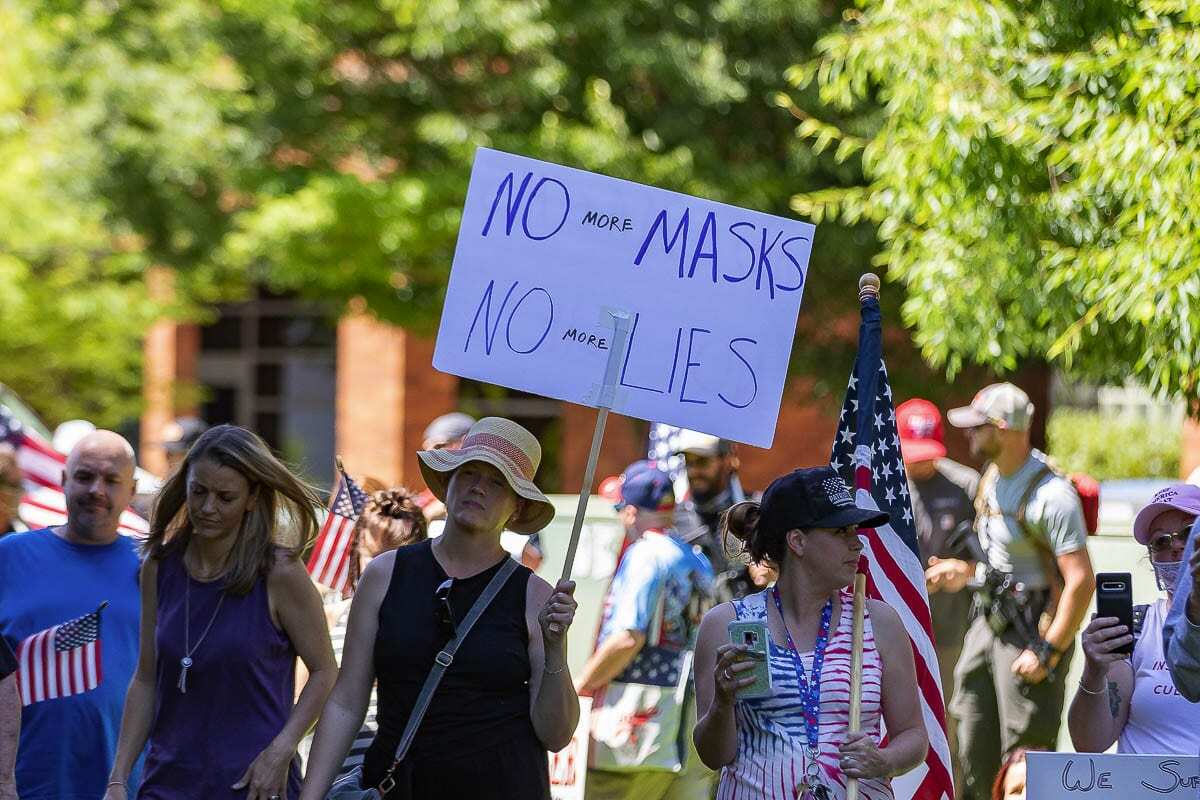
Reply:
x=1114 y=699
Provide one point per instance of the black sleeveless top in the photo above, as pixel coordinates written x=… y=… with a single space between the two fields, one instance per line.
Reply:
x=477 y=738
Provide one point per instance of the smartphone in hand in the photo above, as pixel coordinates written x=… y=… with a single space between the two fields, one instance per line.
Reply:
x=1114 y=598
x=754 y=636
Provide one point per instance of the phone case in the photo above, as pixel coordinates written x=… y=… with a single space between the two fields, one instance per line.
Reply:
x=1114 y=598
x=754 y=636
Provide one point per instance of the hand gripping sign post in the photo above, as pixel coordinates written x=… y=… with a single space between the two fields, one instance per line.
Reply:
x=623 y=297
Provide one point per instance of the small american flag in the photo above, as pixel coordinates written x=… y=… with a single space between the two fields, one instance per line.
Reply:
x=60 y=661
x=664 y=439
x=867 y=453
x=44 y=504
x=329 y=563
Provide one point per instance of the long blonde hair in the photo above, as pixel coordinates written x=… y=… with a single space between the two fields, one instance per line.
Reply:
x=283 y=516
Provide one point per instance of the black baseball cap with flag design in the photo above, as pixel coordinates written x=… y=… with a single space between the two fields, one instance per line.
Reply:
x=815 y=497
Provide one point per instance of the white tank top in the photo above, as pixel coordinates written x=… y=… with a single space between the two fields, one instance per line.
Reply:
x=1161 y=721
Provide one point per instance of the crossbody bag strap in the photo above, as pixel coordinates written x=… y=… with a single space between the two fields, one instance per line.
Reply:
x=441 y=662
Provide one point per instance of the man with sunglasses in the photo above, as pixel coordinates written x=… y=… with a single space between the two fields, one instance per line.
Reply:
x=1008 y=691
x=1131 y=700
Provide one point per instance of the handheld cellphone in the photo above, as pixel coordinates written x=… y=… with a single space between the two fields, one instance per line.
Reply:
x=1114 y=598
x=754 y=636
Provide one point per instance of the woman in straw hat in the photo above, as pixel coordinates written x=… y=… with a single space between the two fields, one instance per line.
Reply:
x=507 y=697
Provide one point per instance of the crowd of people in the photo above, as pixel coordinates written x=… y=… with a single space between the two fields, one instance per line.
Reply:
x=204 y=661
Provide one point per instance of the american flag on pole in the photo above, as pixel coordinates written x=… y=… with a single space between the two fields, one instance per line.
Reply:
x=60 y=661
x=44 y=504
x=867 y=453
x=329 y=563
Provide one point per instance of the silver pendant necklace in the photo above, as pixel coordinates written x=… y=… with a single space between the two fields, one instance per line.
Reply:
x=186 y=662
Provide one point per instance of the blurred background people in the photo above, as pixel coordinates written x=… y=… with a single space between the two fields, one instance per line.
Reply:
x=177 y=438
x=1039 y=583
x=444 y=433
x=712 y=487
x=1131 y=700
x=943 y=504
x=651 y=613
x=10 y=722
x=389 y=520
x=1010 y=780
x=12 y=489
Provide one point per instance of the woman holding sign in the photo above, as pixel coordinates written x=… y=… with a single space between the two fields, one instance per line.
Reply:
x=505 y=697
x=785 y=714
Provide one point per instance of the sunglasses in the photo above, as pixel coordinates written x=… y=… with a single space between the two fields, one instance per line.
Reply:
x=442 y=610
x=1165 y=541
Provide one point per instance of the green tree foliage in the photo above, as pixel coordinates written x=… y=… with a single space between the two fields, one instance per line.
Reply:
x=1107 y=448
x=118 y=134
x=1034 y=178
x=324 y=148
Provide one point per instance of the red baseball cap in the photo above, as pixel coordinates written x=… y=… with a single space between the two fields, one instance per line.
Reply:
x=920 y=426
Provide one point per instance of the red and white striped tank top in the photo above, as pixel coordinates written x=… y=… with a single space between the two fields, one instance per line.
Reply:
x=771 y=756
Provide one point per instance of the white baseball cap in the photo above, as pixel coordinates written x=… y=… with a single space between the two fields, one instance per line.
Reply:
x=1001 y=404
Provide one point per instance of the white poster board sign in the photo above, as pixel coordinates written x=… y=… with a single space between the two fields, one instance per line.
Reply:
x=547 y=253
x=1050 y=776
x=568 y=767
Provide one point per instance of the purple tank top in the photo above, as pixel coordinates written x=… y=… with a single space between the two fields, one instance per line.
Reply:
x=240 y=689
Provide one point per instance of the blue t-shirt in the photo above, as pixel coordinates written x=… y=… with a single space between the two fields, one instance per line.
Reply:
x=68 y=743
x=657 y=590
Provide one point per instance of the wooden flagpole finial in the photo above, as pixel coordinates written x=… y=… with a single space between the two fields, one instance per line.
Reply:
x=868 y=286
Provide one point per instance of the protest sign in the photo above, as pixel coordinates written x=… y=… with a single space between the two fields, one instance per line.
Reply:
x=568 y=767
x=1050 y=776
x=710 y=292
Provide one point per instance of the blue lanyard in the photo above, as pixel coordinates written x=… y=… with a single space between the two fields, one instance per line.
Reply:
x=810 y=687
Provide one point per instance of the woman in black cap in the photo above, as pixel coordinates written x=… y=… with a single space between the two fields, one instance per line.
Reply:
x=796 y=741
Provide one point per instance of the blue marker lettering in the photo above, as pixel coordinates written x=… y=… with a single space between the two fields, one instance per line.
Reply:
x=750 y=369
x=764 y=260
x=709 y=229
x=683 y=398
x=549 y=322
x=749 y=247
x=668 y=246
x=628 y=353
x=795 y=263
x=510 y=215
x=489 y=333
x=566 y=209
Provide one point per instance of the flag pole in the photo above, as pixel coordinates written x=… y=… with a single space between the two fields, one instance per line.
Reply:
x=868 y=286
x=606 y=398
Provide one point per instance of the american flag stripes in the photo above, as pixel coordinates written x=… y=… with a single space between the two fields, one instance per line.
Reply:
x=329 y=563
x=867 y=453
x=60 y=661
x=44 y=504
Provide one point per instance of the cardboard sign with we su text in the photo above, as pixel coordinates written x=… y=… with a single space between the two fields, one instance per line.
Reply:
x=1052 y=776
x=548 y=256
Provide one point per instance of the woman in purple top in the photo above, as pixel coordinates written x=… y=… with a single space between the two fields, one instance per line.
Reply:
x=226 y=608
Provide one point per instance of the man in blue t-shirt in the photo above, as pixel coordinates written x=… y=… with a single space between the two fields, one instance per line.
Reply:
x=659 y=593
x=56 y=575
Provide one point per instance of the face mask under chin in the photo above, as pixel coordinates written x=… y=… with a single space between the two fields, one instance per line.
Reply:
x=1166 y=573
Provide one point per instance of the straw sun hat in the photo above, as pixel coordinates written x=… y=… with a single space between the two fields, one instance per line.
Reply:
x=509 y=448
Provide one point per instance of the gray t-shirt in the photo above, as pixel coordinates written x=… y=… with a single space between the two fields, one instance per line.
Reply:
x=1053 y=513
